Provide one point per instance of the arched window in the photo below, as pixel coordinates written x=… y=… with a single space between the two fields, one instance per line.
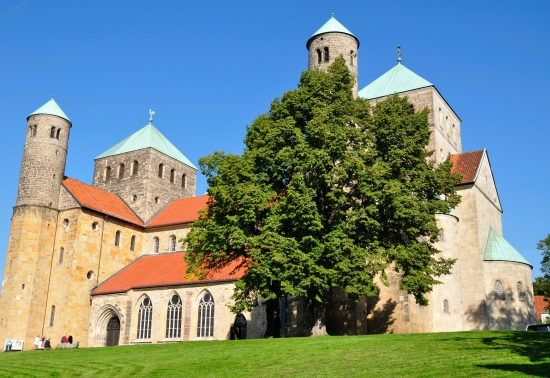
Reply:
x=351 y=58
x=61 y=252
x=326 y=54
x=117 y=239
x=156 y=245
x=52 y=132
x=521 y=293
x=107 y=173
x=184 y=181
x=133 y=243
x=161 y=170
x=172 y=243
x=145 y=317
x=121 y=171
x=445 y=306
x=34 y=130
x=135 y=168
x=57 y=134
x=499 y=292
x=52 y=316
x=205 y=325
x=173 y=318
x=172 y=175
x=319 y=56
x=239 y=327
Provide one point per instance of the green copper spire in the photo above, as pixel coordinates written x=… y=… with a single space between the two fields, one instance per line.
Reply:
x=398 y=79
x=147 y=137
x=498 y=249
x=51 y=108
x=332 y=26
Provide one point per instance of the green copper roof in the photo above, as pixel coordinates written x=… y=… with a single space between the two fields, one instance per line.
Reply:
x=51 y=108
x=148 y=137
x=398 y=79
x=498 y=249
x=333 y=26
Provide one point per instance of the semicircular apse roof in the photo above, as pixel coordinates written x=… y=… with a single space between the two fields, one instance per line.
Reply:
x=498 y=249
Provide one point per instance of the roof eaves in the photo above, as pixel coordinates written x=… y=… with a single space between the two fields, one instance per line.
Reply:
x=117 y=272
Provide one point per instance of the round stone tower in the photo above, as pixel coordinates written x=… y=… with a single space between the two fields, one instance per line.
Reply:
x=328 y=43
x=44 y=156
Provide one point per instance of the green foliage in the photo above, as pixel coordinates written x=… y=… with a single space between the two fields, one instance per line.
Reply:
x=328 y=192
x=541 y=286
x=449 y=354
x=544 y=246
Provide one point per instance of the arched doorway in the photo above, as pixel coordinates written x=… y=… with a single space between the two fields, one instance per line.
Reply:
x=240 y=326
x=113 y=331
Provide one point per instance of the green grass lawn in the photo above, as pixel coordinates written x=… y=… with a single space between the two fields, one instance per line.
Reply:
x=461 y=354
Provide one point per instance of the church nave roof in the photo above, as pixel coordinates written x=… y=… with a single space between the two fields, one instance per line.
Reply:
x=51 y=108
x=398 y=79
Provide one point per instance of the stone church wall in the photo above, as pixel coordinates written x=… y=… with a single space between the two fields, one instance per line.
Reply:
x=164 y=234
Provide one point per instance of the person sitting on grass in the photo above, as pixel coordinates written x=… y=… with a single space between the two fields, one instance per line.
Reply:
x=47 y=344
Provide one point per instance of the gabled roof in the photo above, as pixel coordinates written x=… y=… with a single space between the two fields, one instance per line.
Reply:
x=498 y=249
x=332 y=26
x=398 y=79
x=147 y=137
x=468 y=164
x=101 y=201
x=164 y=269
x=51 y=108
x=180 y=211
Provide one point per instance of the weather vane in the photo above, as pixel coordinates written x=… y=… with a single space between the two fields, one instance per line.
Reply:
x=398 y=53
x=151 y=114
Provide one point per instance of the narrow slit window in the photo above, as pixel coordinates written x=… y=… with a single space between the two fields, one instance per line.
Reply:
x=319 y=56
x=172 y=175
x=327 y=56
x=156 y=245
x=52 y=316
x=161 y=170
x=34 y=130
x=57 y=134
x=133 y=243
x=172 y=243
x=121 y=171
x=117 y=239
x=135 y=168
x=351 y=58
x=61 y=253
x=107 y=174
x=184 y=181
x=52 y=132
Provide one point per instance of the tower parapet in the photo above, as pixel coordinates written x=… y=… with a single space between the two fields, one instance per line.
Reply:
x=328 y=43
x=44 y=156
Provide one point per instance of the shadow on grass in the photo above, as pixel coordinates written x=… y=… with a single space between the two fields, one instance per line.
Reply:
x=539 y=370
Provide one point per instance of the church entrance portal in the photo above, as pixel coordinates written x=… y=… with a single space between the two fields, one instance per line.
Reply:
x=113 y=331
x=240 y=326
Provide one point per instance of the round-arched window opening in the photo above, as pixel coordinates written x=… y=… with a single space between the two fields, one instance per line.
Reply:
x=95 y=226
x=134 y=198
x=65 y=223
x=90 y=275
x=498 y=289
x=156 y=200
x=445 y=306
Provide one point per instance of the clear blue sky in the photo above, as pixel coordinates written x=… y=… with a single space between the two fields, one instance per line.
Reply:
x=209 y=68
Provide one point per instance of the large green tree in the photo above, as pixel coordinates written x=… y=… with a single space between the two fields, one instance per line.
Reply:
x=329 y=192
x=544 y=246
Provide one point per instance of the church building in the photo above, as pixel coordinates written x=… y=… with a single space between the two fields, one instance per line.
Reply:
x=104 y=261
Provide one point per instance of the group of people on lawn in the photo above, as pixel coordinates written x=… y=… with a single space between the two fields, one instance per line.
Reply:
x=43 y=343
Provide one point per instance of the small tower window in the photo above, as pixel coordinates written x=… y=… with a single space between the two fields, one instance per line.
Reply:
x=133 y=243
x=95 y=226
x=172 y=244
x=161 y=170
x=52 y=132
x=172 y=175
x=521 y=293
x=156 y=200
x=499 y=293
x=117 y=239
x=90 y=275
x=135 y=168
x=65 y=223
x=52 y=316
x=34 y=130
x=441 y=234
x=134 y=198
x=184 y=181
x=319 y=56
x=121 y=171
x=446 y=306
x=61 y=253
x=351 y=58
x=57 y=134
x=156 y=245
x=107 y=174
x=327 y=56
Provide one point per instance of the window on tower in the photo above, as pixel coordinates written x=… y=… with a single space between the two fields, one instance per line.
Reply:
x=135 y=168
x=184 y=181
x=161 y=169
x=327 y=56
x=351 y=58
x=121 y=171
x=319 y=56
x=57 y=134
x=52 y=132
x=172 y=175
x=107 y=175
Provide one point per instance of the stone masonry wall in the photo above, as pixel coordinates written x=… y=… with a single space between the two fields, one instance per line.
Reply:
x=338 y=44
x=153 y=193
x=43 y=164
x=164 y=234
x=66 y=200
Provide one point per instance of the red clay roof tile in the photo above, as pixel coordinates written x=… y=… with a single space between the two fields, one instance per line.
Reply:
x=165 y=269
x=180 y=211
x=467 y=163
x=100 y=200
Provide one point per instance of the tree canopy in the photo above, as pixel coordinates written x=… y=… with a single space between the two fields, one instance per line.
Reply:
x=544 y=288
x=328 y=192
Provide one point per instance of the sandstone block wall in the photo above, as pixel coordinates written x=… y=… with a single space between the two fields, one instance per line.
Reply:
x=43 y=164
x=338 y=44
x=152 y=193
x=164 y=235
x=126 y=307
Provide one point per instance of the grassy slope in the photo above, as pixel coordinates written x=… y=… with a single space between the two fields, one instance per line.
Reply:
x=464 y=354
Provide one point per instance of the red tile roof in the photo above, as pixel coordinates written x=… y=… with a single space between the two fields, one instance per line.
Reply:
x=180 y=211
x=99 y=200
x=540 y=305
x=468 y=164
x=165 y=269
